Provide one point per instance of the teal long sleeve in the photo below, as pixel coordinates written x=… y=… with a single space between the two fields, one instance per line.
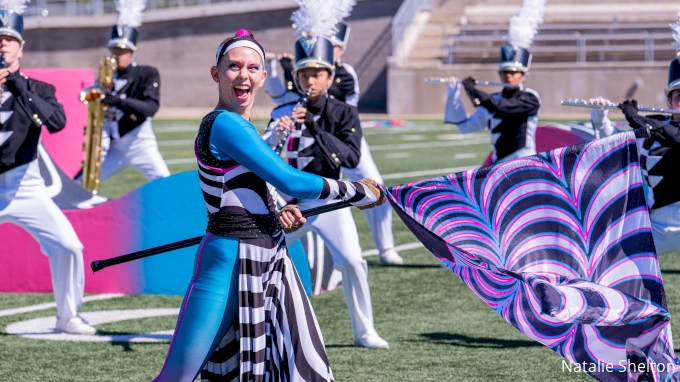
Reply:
x=235 y=138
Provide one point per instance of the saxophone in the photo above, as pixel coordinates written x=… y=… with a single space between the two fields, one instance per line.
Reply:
x=96 y=114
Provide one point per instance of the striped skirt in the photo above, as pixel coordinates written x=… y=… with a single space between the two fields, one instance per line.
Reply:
x=275 y=336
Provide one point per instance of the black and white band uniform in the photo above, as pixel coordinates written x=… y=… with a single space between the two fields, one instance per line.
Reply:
x=511 y=115
x=328 y=141
x=128 y=138
x=27 y=105
x=345 y=87
x=659 y=159
x=330 y=138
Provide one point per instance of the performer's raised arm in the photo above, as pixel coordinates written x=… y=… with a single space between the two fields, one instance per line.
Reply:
x=39 y=101
x=602 y=126
x=455 y=113
x=147 y=98
x=236 y=138
x=512 y=102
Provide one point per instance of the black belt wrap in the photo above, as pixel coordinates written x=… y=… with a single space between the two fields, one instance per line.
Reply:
x=243 y=225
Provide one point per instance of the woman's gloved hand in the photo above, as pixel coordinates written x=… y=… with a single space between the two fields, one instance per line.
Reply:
x=291 y=218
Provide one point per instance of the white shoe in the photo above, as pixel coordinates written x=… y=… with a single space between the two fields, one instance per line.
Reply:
x=370 y=340
x=75 y=325
x=391 y=257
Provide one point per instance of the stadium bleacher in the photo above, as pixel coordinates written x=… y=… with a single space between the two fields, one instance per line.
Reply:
x=460 y=31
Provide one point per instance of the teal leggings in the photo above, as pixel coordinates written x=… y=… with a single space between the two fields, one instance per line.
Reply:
x=209 y=307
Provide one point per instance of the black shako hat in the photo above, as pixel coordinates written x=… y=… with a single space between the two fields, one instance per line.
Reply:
x=342 y=37
x=123 y=36
x=313 y=52
x=514 y=59
x=11 y=24
x=673 y=76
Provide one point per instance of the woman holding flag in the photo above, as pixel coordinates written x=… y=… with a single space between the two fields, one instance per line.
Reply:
x=268 y=313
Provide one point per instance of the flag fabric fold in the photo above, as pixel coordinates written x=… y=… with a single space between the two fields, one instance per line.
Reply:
x=559 y=244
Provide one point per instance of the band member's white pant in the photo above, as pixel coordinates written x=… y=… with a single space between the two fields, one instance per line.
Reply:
x=379 y=218
x=666 y=229
x=24 y=202
x=339 y=233
x=138 y=148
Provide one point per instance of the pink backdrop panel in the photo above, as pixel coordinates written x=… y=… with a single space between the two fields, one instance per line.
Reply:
x=104 y=232
x=65 y=147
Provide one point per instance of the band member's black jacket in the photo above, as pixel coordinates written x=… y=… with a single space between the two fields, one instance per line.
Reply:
x=659 y=155
x=33 y=105
x=138 y=99
x=329 y=138
x=511 y=116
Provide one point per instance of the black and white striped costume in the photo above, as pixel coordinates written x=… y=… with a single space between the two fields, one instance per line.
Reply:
x=659 y=159
x=275 y=336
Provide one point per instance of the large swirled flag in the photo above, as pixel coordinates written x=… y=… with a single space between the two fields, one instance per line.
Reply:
x=559 y=244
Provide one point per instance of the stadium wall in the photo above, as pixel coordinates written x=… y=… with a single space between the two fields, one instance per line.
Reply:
x=408 y=94
x=181 y=43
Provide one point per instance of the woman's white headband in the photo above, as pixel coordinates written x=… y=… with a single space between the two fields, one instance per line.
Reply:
x=238 y=44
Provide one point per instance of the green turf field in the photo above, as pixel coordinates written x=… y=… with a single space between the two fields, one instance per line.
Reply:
x=437 y=328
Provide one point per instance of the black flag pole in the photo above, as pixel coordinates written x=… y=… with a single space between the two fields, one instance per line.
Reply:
x=98 y=265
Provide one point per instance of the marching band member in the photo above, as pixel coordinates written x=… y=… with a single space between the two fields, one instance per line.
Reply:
x=128 y=138
x=329 y=137
x=27 y=105
x=345 y=87
x=659 y=156
x=242 y=268
x=512 y=114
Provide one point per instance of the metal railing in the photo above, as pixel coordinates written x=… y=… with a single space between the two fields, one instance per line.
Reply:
x=564 y=45
x=403 y=19
x=99 y=7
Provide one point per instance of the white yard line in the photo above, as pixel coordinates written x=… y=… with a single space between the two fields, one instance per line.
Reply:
x=177 y=142
x=403 y=247
x=439 y=171
x=48 y=305
x=405 y=130
x=427 y=145
x=465 y=156
x=175 y=129
x=395 y=146
x=180 y=161
x=397 y=155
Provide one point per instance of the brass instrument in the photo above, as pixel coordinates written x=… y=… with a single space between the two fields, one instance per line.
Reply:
x=612 y=105
x=96 y=114
x=445 y=80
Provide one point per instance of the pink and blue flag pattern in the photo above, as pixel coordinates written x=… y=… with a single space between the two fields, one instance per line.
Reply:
x=559 y=244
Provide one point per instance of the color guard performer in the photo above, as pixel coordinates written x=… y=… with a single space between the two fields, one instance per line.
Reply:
x=512 y=114
x=128 y=138
x=27 y=105
x=328 y=137
x=345 y=87
x=245 y=305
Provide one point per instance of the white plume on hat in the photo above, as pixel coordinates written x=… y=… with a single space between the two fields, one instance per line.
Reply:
x=524 y=24
x=675 y=28
x=130 y=12
x=320 y=17
x=16 y=6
